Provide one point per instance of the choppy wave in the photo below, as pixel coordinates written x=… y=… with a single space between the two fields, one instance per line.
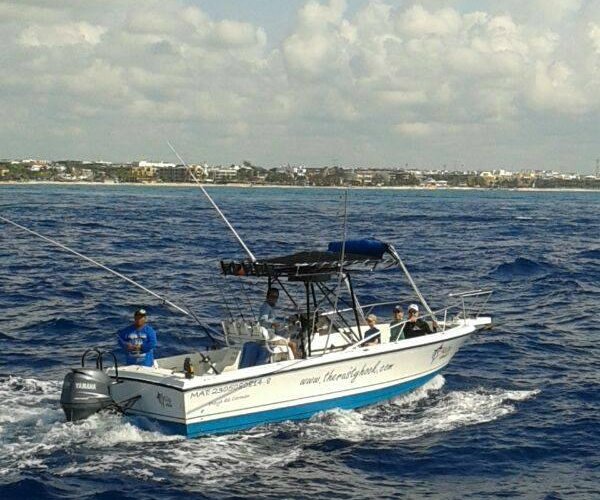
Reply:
x=522 y=267
x=415 y=415
x=590 y=254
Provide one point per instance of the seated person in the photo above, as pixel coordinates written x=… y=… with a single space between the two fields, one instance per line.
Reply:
x=323 y=325
x=415 y=326
x=267 y=317
x=397 y=325
x=267 y=312
x=373 y=331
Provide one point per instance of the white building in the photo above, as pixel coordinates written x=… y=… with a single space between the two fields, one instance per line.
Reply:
x=155 y=164
x=224 y=174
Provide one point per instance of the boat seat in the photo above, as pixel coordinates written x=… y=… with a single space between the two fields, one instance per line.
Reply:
x=384 y=332
x=253 y=354
x=279 y=349
x=231 y=360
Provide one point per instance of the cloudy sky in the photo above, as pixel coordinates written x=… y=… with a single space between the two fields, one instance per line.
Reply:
x=484 y=84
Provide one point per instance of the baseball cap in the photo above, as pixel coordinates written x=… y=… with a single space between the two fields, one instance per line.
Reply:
x=413 y=307
x=397 y=308
x=140 y=312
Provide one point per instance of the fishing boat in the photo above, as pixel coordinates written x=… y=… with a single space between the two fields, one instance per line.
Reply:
x=255 y=378
x=323 y=356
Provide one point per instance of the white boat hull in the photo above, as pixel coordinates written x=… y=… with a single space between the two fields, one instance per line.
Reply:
x=289 y=390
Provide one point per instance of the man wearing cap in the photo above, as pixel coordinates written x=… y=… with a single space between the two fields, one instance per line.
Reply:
x=138 y=340
x=397 y=325
x=415 y=326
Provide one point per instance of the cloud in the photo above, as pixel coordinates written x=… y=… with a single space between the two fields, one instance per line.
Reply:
x=414 y=129
x=367 y=80
x=235 y=34
x=555 y=88
x=60 y=35
x=594 y=34
x=417 y=21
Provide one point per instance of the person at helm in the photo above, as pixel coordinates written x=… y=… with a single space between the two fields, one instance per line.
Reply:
x=267 y=314
x=138 y=340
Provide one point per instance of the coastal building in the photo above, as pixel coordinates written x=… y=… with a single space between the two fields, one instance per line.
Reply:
x=85 y=174
x=153 y=164
x=224 y=174
x=181 y=173
x=364 y=177
x=294 y=171
x=30 y=161
x=143 y=173
x=174 y=174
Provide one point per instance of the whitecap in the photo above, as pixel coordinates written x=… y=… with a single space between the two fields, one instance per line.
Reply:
x=34 y=429
x=417 y=414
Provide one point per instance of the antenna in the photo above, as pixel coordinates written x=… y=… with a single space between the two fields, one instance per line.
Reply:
x=341 y=270
x=215 y=206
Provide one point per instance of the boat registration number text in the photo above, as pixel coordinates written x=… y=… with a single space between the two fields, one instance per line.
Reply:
x=236 y=386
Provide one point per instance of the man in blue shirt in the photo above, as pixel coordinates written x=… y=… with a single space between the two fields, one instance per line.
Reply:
x=138 y=340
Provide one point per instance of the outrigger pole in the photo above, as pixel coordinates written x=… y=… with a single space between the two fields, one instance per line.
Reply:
x=95 y=262
x=215 y=206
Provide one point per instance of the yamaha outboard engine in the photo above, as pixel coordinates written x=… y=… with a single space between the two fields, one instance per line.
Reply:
x=86 y=390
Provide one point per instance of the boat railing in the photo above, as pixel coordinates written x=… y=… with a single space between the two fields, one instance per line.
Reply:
x=240 y=330
x=473 y=294
x=366 y=307
x=460 y=306
x=461 y=296
x=467 y=304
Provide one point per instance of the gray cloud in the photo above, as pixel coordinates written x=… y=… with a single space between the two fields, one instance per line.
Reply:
x=517 y=86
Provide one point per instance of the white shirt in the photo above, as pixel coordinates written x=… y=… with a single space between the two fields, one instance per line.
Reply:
x=266 y=315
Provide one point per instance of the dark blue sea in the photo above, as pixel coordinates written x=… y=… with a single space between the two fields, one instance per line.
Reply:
x=515 y=415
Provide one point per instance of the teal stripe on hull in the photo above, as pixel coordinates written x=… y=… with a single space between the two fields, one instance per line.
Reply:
x=298 y=412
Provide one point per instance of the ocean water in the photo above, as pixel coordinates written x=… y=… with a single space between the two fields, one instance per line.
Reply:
x=516 y=414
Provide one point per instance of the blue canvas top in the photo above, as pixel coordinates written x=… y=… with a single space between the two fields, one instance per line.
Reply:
x=314 y=265
x=370 y=247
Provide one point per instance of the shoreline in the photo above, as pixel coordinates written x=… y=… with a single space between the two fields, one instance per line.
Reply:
x=284 y=186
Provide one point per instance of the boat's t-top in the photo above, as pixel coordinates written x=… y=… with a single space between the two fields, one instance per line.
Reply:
x=330 y=316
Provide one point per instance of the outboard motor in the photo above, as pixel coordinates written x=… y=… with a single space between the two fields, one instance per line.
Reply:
x=86 y=391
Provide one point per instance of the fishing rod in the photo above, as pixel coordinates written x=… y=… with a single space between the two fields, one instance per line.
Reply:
x=207 y=331
x=341 y=270
x=248 y=300
x=223 y=299
x=96 y=263
x=237 y=302
x=215 y=206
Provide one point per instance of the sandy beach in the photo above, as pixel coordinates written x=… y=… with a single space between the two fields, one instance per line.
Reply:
x=284 y=186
